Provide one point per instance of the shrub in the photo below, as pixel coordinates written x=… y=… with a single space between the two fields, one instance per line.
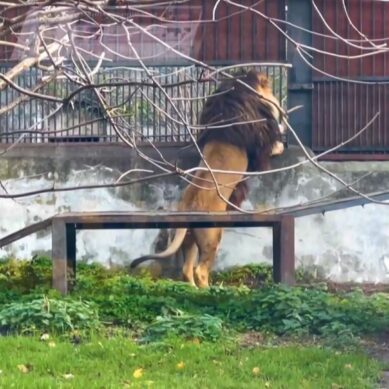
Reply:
x=202 y=327
x=46 y=314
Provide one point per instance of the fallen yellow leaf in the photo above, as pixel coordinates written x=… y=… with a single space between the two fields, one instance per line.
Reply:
x=256 y=370
x=180 y=365
x=51 y=344
x=23 y=368
x=138 y=373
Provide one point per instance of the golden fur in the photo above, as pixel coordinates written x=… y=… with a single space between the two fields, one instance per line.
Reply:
x=238 y=148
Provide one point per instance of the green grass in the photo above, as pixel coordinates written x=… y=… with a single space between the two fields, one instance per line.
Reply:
x=160 y=308
x=114 y=323
x=111 y=363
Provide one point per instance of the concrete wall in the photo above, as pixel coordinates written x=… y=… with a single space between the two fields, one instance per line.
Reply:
x=347 y=245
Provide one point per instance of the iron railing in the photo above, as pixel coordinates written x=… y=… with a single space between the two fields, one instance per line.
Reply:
x=143 y=111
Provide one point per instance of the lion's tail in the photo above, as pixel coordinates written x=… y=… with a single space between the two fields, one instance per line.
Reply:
x=179 y=237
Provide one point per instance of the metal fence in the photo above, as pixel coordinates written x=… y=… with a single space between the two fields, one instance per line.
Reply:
x=350 y=88
x=341 y=109
x=143 y=112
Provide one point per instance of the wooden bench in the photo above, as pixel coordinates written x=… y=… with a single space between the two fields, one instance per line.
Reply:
x=64 y=229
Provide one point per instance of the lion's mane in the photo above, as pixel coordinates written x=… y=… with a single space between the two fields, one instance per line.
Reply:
x=233 y=102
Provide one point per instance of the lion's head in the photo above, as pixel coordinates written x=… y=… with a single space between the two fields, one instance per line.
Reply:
x=247 y=115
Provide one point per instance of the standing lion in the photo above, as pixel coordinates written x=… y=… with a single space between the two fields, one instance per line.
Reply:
x=249 y=135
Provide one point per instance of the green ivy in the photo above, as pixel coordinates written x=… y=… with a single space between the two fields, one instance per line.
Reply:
x=137 y=303
x=50 y=315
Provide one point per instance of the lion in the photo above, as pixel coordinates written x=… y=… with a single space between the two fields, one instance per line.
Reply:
x=247 y=144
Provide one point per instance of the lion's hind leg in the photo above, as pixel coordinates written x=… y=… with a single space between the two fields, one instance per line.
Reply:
x=190 y=251
x=208 y=241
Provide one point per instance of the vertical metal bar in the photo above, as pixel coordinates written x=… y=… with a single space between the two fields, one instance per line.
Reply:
x=197 y=102
x=36 y=106
x=104 y=129
x=241 y=36
x=337 y=40
x=324 y=11
x=43 y=107
x=71 y=255
x=253 y=36
x=59 y=256
x=177 y=17
x=360 y=61
x=347 y=110
x=65 y=116
x=331 y=130
x=141 y=112
x=341 y=97
x=135 y=104
x=204 y=27
x=385 y=115
x=32 y=113
x=66 y=84
x=385 y=24
x=156 y=102
x=356 y=110
x=64 y=255
x=283 y=251
x=216 y=27
x=348 y=36
x=228 y=37
x=166 y=120
x=15 y=95
x=150 y=134
x=7 y=114
x=373 y=23
x=325 y=118
x=368 y=102
x=267 y=31
x=16 y=123
x=379 y=140
x=315 y=117
x=62 y=113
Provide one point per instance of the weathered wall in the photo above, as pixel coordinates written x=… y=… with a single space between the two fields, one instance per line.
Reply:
x=348 y=245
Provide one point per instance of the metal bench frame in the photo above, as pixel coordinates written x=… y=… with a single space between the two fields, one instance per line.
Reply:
x=64 y=229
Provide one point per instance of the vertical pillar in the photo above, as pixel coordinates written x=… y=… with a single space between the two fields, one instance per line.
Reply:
x=300 y=84
x=283 y=251
x=71 y=255
x=63 y=255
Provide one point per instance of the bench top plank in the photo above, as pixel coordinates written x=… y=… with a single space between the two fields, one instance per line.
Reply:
x=23 y=232
x=101 y=220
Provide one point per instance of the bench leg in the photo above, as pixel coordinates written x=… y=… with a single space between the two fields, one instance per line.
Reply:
x=71 y=257
x=283 y=251
x=64 y=256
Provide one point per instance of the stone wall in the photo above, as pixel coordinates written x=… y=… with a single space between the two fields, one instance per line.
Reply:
x=347 y=245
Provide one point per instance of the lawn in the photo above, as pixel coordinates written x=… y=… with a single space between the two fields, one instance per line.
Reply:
x=117 y=330
x=118 y=362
